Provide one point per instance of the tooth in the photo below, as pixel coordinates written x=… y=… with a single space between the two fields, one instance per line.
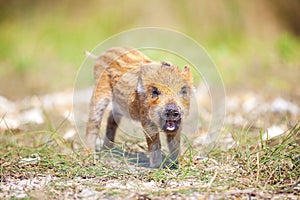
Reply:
x=171 y=128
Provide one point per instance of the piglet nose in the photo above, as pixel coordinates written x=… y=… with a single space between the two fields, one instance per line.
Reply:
x=172 y=112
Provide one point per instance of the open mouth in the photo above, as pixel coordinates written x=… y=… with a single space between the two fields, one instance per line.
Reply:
x=171 y=125
x=171 y=118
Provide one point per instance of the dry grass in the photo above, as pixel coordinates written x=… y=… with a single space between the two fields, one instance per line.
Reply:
x=263 y=170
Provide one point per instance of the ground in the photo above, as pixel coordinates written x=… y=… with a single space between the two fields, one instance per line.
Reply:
x=257 y=156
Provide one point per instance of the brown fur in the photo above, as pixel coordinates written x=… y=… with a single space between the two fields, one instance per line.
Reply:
x=154 y=93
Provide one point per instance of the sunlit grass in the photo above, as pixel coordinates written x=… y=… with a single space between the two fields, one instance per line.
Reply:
x=265 y=166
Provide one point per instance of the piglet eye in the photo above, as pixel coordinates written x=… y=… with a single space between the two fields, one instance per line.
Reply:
x=184 y=91
x=155 y=93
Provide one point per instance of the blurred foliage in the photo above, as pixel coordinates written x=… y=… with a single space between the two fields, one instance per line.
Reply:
x=288 y=47
x=255 y=43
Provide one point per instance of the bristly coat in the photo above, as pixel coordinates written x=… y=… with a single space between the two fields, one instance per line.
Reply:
x=155 y=93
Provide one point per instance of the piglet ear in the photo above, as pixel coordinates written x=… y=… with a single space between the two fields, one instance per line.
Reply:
x=187 y=74
x=187 y=69
x=140 y=87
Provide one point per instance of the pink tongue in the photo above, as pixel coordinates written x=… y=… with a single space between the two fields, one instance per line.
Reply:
x=170 y=126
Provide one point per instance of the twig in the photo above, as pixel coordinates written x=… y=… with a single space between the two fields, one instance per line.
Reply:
x=212 y=180
x=257 y=162
x=247 y=191
x=295 y=184
x=208 y=185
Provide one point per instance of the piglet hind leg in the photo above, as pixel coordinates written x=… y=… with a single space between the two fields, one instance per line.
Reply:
x=111 y=128
x=99 y=102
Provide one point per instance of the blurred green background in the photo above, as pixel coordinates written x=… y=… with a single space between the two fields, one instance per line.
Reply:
x=255 y=44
